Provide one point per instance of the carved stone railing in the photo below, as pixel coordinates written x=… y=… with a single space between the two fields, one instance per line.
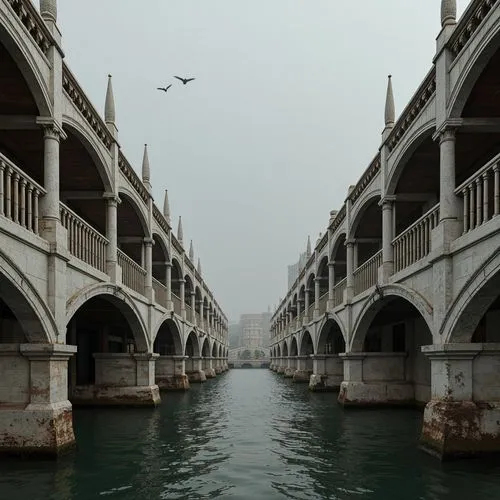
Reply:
x=414 y=243
x=81 y=101
x=84 y=242
x=132 y=178
x=366 y=275
x=421 y=97
x=468 y=24
x=177 y=304
x=477 y=192
x=160 y=219
x=365 y=179
x=189 y=313
x=19 y=196
x=338 y=292
x=32 y=21
x=322 y=303
x=160 y=292
x=133 y=275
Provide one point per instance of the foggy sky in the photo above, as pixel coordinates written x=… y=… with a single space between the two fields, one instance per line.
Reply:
x=285 y=113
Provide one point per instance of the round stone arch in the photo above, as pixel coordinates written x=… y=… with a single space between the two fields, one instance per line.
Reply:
x=472 y=301
x=220 y=351
x=301 y=342
x=339 y=239
x=376 y=302
x=277 y=350
x=122 y=301
x=205 y=347
x=82 y=134
x=360 y=210
x=175 y=327
x=193 y=338
x=284 y=349
x=293 y=348
x=320 y=328
x=214 y=351
x=136 y=202
x=472 y=70
x=410 y=146
x=28 y=66
x=22 y=298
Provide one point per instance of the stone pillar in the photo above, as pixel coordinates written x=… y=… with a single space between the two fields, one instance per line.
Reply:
x=462 y=417
x=302 y=374
x=170 y=373
x=349 y=269
x=112 y=268
x=290 y=366
x=193 y=307
x=183 y=298
x=449 y=204
x=306 y=305
x=148 y=257
x=195 y=372
x=387 y=237
x=331 y=285
x=168 y=285
x=317 y=281
x=35 y=414
x=328 y=373
x=208 y=367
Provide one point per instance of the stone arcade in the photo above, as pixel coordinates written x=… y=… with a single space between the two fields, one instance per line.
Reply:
x=100 y=304
x=399 y=301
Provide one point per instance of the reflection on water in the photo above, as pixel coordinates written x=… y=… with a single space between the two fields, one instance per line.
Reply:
x=248 y=434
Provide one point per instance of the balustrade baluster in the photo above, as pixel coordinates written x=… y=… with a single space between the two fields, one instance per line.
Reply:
x=36 y=193
x=22 y=202
x=486 y=195
x=496 y=171
x=8 y=190
x=2 y=173
x=15 y=196
x=465 y=193
x=479 y=202
x=30 y=208
x=472 y=205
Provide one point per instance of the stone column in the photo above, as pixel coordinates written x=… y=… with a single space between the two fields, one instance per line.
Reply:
x=349 y=269
x=148 y=257
x=112 y=202
x=331 y=285
x=40 y=423
x=317 y=281
x=168 y=285
x=387 y=237
x=328 y=373
x=306 y=305
x=183 y=299
x=449 y=204
x=195 y=373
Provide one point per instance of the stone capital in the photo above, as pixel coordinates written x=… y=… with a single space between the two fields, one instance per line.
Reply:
x=350 y=242
x=112 y=199
x=148 y=241
x=51 y=128
x=447 y=130
x=61 y=352
x=387 y=201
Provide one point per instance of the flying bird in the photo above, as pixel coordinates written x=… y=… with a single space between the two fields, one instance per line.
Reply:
x=164 y=88
x=184 y=80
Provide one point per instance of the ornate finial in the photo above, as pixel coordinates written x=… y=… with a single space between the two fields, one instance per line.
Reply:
x=191 y=251
x=109 y=106
x=389 y=104
x=145 y=166
x=199 y=266
x=308 y=250
x=448 y=12
x=48 y=10
x=166 y=207
x=180 y=236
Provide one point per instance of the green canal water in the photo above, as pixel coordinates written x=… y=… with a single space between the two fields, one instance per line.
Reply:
x=249 y=434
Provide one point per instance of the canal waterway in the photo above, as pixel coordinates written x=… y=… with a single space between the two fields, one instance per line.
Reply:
x=249 y=434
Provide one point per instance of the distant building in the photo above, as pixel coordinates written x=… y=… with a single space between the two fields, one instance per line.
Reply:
x=295 y=269
x=251 y=332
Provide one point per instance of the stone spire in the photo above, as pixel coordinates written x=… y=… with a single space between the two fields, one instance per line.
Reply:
x=166 y=207
x=109 y=106
x=180 y=236
x=48 y=10
x=448 y=12
x=308 y=250
x=199 y=266
x=146 y=174
x=191 y=251
x=389 y=104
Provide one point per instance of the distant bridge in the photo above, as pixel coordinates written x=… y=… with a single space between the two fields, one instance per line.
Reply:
x=249 y=363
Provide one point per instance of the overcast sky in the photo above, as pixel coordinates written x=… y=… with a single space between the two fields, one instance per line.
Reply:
x=285 y=113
